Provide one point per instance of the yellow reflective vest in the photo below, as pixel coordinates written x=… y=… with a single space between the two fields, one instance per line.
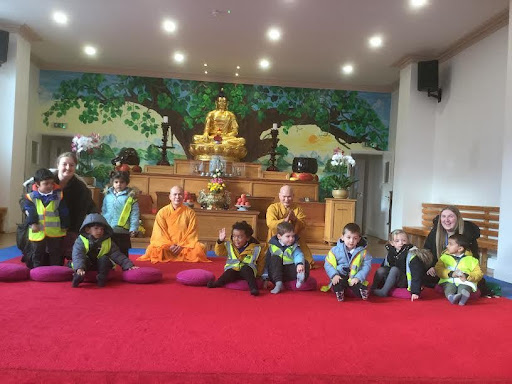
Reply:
x=466 y=264
x=249 y=259
x=287 y=255
x=125 y=213
x=355 y=264
x=105 y=246
x=49 y=219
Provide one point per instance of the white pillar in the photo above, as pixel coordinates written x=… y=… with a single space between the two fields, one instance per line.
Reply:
x=14 y=97
x=503 y=268
x=414 y=148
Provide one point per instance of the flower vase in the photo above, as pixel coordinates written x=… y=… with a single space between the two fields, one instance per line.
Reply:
x=340 y=193
x=215 y=201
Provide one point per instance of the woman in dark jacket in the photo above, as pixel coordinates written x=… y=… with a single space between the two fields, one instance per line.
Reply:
x=448 y=222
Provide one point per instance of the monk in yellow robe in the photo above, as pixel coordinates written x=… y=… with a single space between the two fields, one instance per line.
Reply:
x=174 y=236
x=286 y=210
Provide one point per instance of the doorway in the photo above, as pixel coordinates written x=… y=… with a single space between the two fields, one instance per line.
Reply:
x=51 y=147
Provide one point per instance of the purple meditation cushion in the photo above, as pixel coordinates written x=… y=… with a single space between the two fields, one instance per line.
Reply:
x=308 y=285
x=13 y=272
x=51 y=273
x=474 y=295
x=195 y=277
x=142 y=275
x=400 y=293
x=241 y=285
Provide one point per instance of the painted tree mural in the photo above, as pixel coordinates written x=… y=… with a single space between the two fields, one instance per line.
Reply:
x=345 y=115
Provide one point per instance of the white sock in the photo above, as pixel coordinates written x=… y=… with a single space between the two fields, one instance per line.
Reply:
x=278 y=288
x=300 y=279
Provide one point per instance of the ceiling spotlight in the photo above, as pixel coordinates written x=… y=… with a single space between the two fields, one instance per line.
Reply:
x=236 y=74
x=89 y=50
x=347 y=69
x=169 y=26
x=418 y=3
x=264 y=63
x=205 y=65
x=274 y=34
x=179 y=57
x=60 y=18
x=375 y=41
x=237 y=67
x=205 y=72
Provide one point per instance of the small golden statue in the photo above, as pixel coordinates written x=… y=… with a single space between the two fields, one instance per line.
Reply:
x=220 y=135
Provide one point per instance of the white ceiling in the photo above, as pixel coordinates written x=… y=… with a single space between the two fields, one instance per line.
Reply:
x=318 y=36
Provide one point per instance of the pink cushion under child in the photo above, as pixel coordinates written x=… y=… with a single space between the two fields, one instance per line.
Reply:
x=51 y=273
x=142 y=275
x=400 y=293
x=195 y=277
x=13 y=272
x=241 y=285
x=474 y=295
x=308 y=285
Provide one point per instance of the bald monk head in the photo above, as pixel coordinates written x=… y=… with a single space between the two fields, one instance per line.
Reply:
x=176 y=196
x=286 y=196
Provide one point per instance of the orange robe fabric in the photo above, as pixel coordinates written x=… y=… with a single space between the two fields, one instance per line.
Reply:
x=175 y=226
x=276 y=213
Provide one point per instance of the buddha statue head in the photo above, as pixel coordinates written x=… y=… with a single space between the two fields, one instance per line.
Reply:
x=221 y=102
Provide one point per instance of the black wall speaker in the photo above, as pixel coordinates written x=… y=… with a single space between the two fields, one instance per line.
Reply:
x=428 y=75
x=4 y=44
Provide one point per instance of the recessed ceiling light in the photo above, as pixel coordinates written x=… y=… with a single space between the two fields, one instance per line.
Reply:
x=236 y=74
x=169 y=26
x=347 y=69
x=237 y=67
x=264 y=63
x=205 y=72
x=274 y=34
x=179 y=57
x=60 y=18
x=375 y=41
x=89 y=50
x=418 y=3
x=205 y=65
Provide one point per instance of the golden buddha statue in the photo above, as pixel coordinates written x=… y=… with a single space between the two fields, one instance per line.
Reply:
x=220 y=135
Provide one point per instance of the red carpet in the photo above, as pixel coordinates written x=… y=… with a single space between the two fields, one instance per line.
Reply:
x=170 y=333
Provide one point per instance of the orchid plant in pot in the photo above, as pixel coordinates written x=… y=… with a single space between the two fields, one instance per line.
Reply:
x=337 y=174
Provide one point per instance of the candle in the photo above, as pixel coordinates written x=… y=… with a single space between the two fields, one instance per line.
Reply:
x=274 y=126
x=166 y=119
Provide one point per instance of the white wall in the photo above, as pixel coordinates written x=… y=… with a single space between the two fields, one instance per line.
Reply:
x=469 y=125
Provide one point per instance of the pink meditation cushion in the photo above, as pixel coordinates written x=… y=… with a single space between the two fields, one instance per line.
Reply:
x=51 y=273
x=195 y=277
x=474 y=295
x=13 y=272
x=241 y=285
x=400 y=293
x=142 y=275
x=308 y=285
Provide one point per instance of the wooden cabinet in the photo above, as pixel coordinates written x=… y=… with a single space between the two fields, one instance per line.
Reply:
x=338 y=213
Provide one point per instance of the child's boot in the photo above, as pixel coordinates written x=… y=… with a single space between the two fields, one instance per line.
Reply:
x=101 y=280
x=340 y=295
x=364 y=293
x=77 y=279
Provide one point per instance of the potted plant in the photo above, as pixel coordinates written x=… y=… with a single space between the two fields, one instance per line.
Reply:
x=337 y=176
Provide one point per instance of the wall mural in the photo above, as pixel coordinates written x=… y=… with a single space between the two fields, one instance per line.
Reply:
x=127 y=111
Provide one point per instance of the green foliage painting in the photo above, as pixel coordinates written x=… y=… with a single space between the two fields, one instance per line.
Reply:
x=346 y=115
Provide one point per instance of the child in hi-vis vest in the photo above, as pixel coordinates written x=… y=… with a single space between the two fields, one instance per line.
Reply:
x=121 y=210
x=459 y=272
x=245 y=257
x=284 y=259
x=94 y=250
x=348 y=263
x=47 y=220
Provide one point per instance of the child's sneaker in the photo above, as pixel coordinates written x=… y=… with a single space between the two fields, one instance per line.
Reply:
x=77 y=279
x=364 y=293
x=340 y=295
x=101 y=281
x=255 y=292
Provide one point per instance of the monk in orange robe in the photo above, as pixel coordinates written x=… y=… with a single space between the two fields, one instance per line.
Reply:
x=174 y=236
x=286 y=210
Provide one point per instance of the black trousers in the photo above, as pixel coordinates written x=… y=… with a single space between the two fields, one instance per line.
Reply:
x=343 y=284
x=103 y=265
x=279 y=272
x=123 y=241
x=246 y=273
x=54 y=257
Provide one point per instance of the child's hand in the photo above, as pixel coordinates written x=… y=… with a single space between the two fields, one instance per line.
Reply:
x=222 y=235
x=414 y=297
x=80 y=271
x=353 y=281
x=34 y=227
x=336 y=279
x=431 y=271
x=134 y=267
x=300 y=268
x=462 y=276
